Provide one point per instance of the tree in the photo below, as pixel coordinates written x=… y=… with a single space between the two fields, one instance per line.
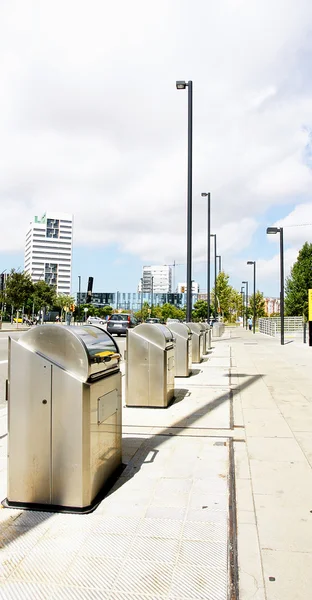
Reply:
x=18 y=289
x=142 y=314
x=235 y=305
x=200 y=311
x=64 y=302
x=169 y=311
x=260 y=305
x=226 y=296
x=44 y=295
x=298 y=283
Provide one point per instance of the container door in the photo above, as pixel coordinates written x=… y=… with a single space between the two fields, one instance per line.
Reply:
x=29 y=421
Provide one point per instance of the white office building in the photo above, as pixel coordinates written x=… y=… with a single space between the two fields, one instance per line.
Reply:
x=182 y=288
x=157 y=279
x=48 y=250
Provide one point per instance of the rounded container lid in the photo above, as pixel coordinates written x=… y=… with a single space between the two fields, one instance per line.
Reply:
x=84 y=351
x=182 y=329
x=155 y=332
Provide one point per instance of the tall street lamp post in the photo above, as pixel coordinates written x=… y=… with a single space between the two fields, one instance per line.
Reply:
x=207 y=194
x=219 y=257
x=274 y=230
x=243 y=304
x=253 y=262
x=246 y=298
x=214 y=235
x=181 y=85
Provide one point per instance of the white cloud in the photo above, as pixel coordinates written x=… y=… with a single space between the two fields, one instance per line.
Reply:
x=91 y=122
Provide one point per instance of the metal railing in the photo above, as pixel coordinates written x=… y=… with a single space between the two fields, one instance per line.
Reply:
x=293 y=326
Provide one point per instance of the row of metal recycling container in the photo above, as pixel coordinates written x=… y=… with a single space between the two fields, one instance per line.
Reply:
x=65 y=403
x=156 y=354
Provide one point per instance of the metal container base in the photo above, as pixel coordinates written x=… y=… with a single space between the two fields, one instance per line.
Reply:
x=82 y=510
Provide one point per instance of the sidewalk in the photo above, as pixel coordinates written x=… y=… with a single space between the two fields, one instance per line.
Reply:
x=170 y=526
x=273 y=468
x=162 y=532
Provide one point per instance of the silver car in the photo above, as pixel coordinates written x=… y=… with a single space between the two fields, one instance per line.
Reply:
x=95 y=321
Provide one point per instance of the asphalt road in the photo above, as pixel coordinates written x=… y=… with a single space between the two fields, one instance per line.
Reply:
x=121 y=342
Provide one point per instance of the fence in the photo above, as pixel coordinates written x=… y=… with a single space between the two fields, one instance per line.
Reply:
x=293 y=326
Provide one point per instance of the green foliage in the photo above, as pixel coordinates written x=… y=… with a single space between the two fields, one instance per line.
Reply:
x=93 y=311
x=44 y=295
x=260 y=305
x=142 y=314
x=18 y=289
x=167 y=311
x=298 y=283
x=200 y=311
x=229 y=300
x=64 y=302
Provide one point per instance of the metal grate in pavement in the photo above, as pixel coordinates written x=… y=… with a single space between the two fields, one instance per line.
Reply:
x=25 y=591
x=155 y=549
x=91 y=571
x=208 y=552
x=43 y=566
x=144 y=577
x=117 y=525
x=106 y=544
x=205 y=531
x=75 y=593
x=198 y=582
x=160 y=528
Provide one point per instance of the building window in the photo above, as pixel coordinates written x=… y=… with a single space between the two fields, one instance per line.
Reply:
x=50 y=273
x=53 y=228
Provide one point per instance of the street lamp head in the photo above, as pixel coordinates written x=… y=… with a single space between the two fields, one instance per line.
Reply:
x=251 y=262
x=272 y=230
x=244 y=282
x=204 y=194
x=181 y=85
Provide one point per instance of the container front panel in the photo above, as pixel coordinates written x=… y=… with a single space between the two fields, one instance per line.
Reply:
x=105 y=430
x=29 y=422
x=137 y=371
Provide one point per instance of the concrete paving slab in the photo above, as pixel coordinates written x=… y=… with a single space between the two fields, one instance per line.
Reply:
x=304 y=440
x=272 y=516
x=278 y=449
x=290 y=574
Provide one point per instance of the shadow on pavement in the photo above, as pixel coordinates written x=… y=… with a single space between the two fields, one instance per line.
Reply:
x=28 y=520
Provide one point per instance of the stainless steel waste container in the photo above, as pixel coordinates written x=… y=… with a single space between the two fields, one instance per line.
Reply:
x=218 y=329
x=150 y=366
x=207 y=337
x=183 y=348
x=197 y=330
x=64 y=417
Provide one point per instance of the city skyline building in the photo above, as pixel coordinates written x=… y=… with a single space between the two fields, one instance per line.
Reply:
x=156 y=279
x=48 y=250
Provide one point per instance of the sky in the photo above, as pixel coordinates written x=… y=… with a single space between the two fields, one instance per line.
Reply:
x=91 y=123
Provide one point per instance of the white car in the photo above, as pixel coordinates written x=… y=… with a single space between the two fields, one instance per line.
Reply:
x=95 y=321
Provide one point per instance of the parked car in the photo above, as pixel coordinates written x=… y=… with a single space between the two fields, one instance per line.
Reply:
x=119 y=323
x=95 y=321
x=152 y=320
